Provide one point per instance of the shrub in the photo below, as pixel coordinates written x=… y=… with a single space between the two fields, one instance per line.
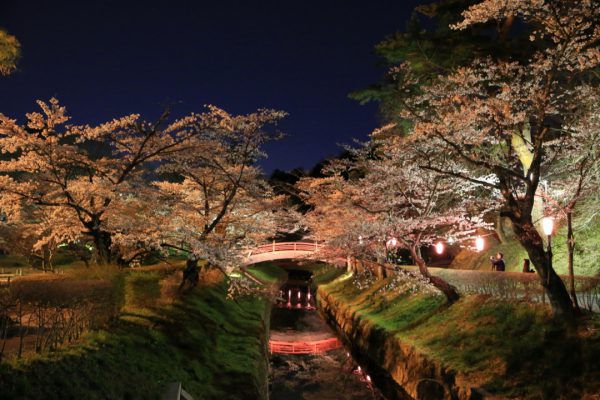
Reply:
x=55 y=310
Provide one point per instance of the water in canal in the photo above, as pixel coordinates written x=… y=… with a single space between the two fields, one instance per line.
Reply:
x=329 y=375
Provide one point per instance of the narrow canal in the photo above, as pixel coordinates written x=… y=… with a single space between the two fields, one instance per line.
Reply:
x=307 y=360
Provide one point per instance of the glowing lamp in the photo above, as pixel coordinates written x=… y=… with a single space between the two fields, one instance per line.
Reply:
x=479 y=243
x=439 y=247
x=548 y=225
x=368 y=379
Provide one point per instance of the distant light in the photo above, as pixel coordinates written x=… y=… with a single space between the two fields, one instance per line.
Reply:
x=360 y=240
x=368 y=379
x=451 y=240
x=359 y=369
x=439 y=247
x=479 y=243
x=392 y=242
x=548 y=225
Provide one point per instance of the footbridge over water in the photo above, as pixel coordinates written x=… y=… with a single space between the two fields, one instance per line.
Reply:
x=292 y=250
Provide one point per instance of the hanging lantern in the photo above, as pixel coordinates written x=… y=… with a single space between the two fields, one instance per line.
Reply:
x=392 y=242
x=439 y=247
x=479 y=243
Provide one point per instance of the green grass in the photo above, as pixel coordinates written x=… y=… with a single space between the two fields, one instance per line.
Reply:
x=512 y=349
x=267 y=272
x=325 y=273
x=142 y=289
x=587 y=250
x=213 y=345
x=393 y=311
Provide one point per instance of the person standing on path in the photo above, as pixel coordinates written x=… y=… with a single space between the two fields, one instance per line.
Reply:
x=498 y=262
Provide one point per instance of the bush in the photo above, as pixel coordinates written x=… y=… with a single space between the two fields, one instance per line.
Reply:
x=56 y=310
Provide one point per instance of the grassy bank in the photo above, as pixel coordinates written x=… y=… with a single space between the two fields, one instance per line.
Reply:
x=214 y=346
x=509 y=349
x=267 y=272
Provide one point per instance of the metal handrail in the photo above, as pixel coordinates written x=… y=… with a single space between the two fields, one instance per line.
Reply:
x=176 y=392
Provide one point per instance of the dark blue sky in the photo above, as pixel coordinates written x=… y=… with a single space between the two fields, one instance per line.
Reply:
x=104 y=59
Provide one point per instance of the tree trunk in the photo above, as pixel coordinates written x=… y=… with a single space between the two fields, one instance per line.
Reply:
x=449 y=291
x=102 y=243
x=571 y=248
x=558 y=296
x=46 y=258
x=500 y=229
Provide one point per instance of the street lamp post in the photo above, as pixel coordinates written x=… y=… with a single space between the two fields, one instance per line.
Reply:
x=548 y=226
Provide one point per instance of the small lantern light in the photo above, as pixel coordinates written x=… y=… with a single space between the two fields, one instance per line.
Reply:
x=479 y=243
x=439 y=247
x=548 y=225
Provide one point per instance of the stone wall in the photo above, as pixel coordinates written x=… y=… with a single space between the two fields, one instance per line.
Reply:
x=421 y=377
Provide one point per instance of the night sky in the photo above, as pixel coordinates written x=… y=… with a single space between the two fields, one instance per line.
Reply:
x=104 y=59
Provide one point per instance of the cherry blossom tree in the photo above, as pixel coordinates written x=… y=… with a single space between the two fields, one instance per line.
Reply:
x=99 y=177
x=504 y=117
x=38 y=232
x=394 y=199
x=219 y=202
x=574 y=175
x=10 y=50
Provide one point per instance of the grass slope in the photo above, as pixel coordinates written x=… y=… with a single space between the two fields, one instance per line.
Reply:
x=213 y=345
x=509 y=349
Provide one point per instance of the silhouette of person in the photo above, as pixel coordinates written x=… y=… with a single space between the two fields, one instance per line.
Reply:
x=498 y=262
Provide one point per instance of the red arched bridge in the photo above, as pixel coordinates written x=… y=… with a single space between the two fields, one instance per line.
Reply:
x=291 y=250
x=304 y=346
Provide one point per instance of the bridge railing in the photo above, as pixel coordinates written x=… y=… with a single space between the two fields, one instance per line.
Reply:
x=286 y=246
x=304 y=347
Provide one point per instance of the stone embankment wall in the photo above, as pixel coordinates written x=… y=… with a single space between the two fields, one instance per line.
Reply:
x=419 y=376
